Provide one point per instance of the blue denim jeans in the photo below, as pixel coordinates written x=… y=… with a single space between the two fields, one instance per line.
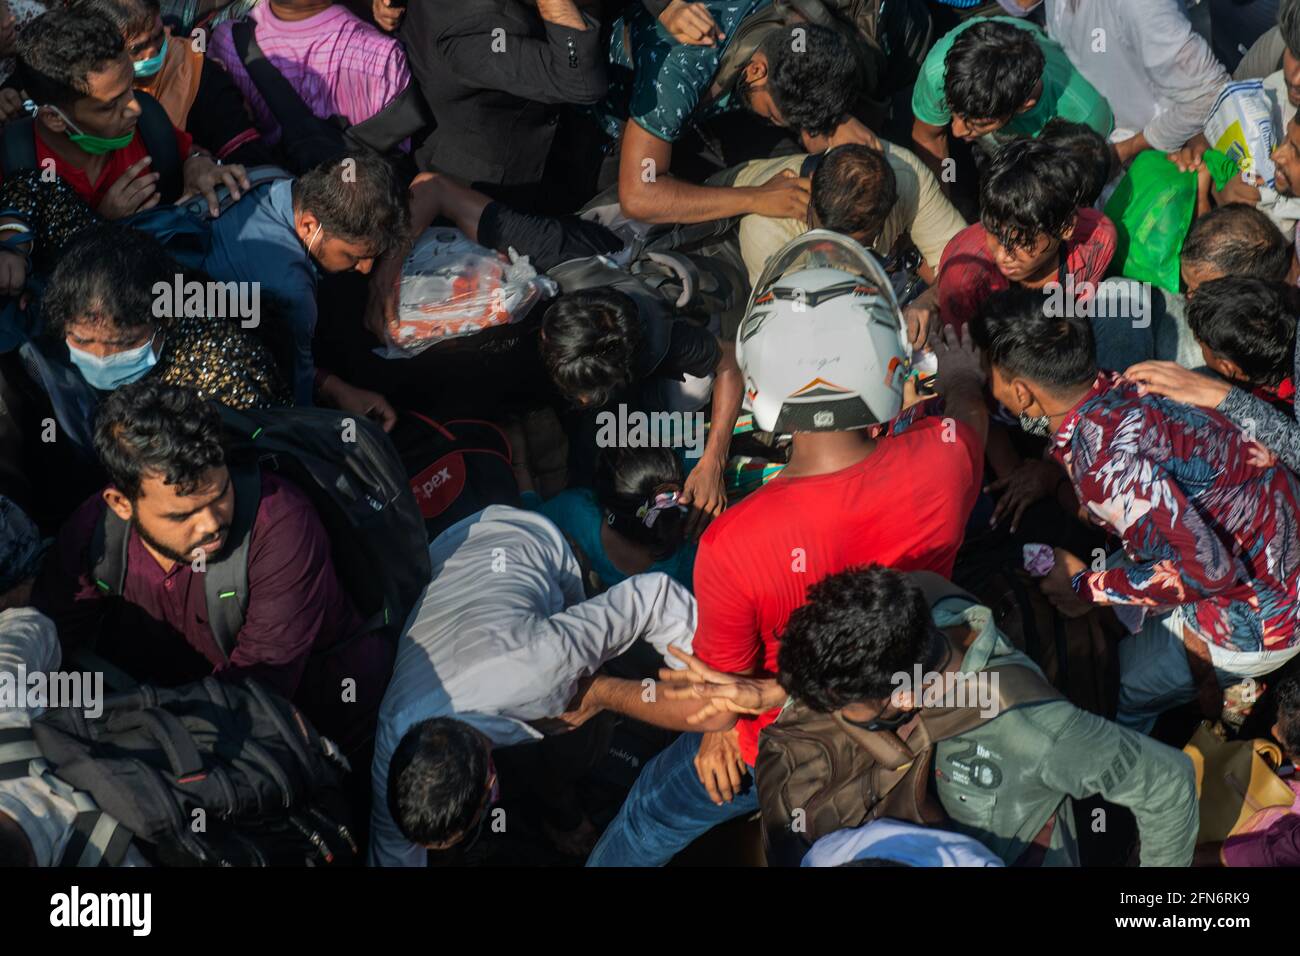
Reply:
x=1154 y=674
x=666 y=810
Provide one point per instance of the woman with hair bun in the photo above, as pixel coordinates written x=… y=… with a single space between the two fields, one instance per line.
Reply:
x=630 y=522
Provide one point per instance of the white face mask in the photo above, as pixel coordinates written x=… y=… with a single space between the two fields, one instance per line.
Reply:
x=111 y=372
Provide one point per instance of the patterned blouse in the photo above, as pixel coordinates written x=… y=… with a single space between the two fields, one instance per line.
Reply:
x=212 y=355
x=1273 y=428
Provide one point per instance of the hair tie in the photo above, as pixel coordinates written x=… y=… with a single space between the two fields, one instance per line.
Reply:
x=649 y=512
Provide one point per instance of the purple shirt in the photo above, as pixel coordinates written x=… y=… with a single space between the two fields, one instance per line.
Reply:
x=296 y=606
x=339 y=64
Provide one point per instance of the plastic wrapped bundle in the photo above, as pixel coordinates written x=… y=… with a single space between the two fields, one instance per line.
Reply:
x=452 y=287
x=1241 y=127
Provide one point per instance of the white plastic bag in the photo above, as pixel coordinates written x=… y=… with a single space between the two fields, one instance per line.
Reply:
x=452 y=287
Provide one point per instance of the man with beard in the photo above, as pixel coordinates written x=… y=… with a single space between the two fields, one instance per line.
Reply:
x=302 y=637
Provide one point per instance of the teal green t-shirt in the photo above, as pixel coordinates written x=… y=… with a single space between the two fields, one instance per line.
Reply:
x=579 y=516
x=659 y=83
x=1065 y=91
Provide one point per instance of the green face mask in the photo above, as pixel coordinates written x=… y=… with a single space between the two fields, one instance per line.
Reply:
x=99 y=145
x=94 y=145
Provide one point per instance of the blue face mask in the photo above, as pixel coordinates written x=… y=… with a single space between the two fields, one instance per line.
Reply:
x=147 y=68
x=114 y=371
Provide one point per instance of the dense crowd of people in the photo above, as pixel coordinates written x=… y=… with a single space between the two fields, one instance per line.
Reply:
x=626 y=431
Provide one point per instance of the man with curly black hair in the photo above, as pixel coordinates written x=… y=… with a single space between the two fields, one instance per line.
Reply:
x=161 y=446
x=1032 y=234
x=855 y=648
x=803 y=78
x=998 y=75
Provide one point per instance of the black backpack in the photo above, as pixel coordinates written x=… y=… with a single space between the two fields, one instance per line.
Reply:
x=352 y=473
x=267 y=783
x=455 y=468
x=306 y=140
x=666 y=285
x=18 y=147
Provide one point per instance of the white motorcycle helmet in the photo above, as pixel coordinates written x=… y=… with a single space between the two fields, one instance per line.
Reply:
x=823 y=345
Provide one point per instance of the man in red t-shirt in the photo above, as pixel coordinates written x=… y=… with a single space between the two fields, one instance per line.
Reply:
x=846 y=498
x=1031 y=233
x=78 y=74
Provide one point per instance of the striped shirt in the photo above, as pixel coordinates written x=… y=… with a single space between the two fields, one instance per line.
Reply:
x=339 y=64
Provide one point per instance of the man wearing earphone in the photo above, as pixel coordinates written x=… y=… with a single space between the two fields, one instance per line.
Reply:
x=336 y=218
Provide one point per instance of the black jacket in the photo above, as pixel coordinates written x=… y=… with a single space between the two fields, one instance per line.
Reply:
x=496 y=97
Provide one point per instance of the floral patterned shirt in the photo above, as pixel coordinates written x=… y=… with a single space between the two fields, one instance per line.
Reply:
x=1201 y=525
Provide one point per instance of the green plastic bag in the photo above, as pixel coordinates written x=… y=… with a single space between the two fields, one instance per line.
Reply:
x=1152 y=209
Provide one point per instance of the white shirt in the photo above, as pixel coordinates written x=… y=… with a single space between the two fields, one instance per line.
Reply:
x=502 y=636
x=1159 y=75
x=30 y=643
x=908 y=843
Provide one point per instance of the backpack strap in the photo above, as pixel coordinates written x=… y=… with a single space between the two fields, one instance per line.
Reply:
x=404 y=116
x=1018 y=686
x=17 y=750
x=18 y=146
x=108 y=550
x=98 y=839
x=225 y=581
x=278 y=93
x=258 y=176
x=175 y=742
x=591 y=582
x=159 y=137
